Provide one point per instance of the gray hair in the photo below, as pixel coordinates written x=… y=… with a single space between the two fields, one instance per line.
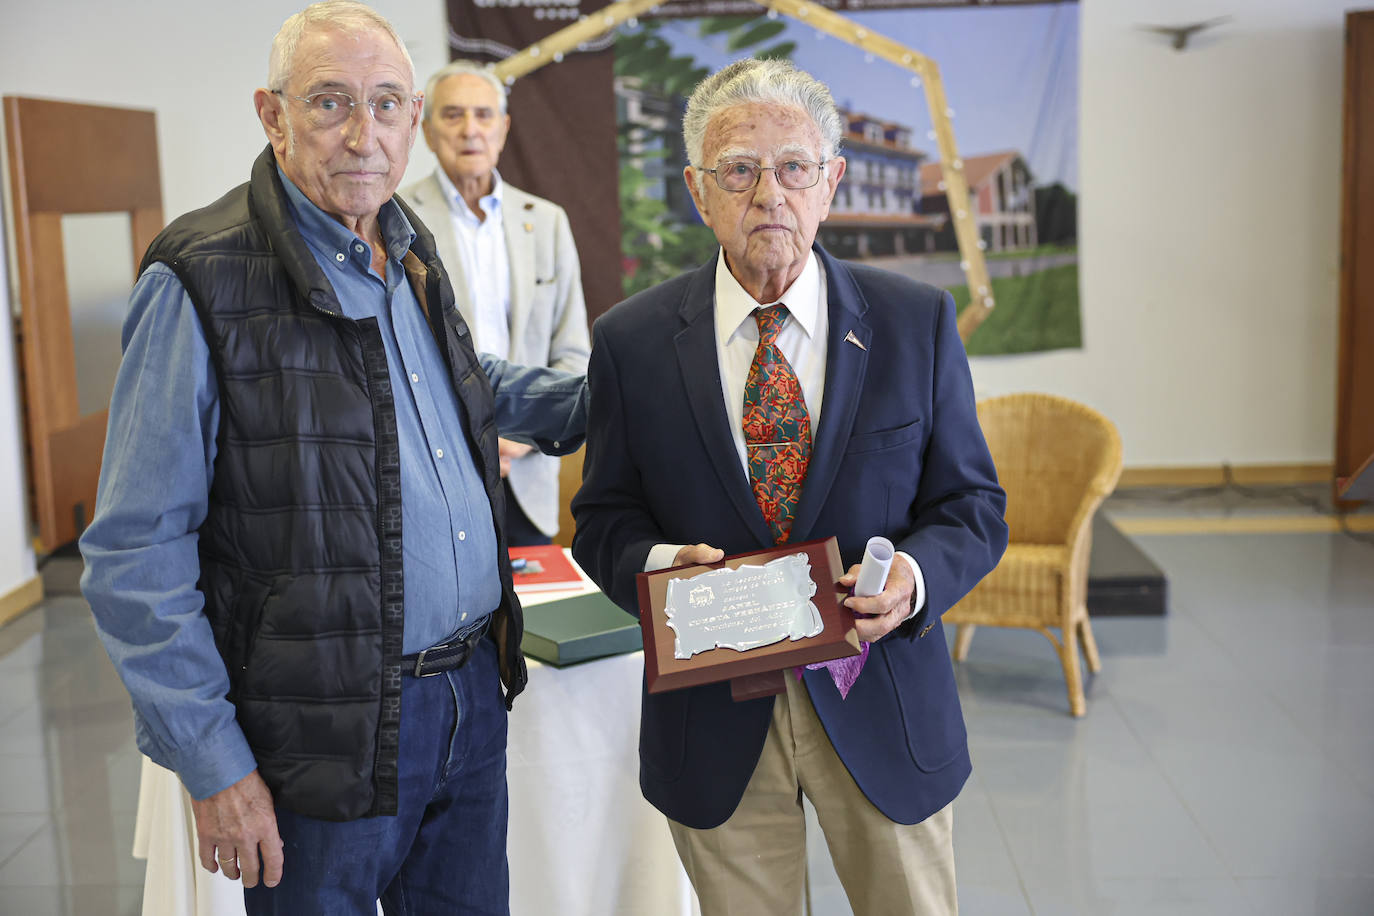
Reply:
x=459 y=68
x=347 y=16
x=747 y=81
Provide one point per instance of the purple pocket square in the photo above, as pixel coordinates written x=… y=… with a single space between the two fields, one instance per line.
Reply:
x=843 y=671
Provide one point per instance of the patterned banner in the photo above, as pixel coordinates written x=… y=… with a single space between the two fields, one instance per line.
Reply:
x=1010 y=72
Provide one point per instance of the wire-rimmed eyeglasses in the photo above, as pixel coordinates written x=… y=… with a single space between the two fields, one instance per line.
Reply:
x=330 y=109
x=743 y=174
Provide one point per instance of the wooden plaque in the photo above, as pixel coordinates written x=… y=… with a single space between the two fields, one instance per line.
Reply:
x=663 y=671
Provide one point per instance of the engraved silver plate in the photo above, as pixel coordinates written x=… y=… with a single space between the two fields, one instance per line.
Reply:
x=743 y=608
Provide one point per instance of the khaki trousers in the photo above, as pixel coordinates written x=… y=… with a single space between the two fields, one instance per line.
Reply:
x=755 y=863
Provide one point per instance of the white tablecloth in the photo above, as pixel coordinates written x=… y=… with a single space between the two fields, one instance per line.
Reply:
x=582 y=841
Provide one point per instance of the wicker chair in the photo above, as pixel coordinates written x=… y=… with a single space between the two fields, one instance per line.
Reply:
x=1057 y=460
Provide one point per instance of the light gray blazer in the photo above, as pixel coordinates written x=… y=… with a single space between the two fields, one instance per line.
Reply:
x=548 y=317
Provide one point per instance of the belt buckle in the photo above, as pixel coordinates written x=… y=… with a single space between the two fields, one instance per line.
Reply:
x=420 y=661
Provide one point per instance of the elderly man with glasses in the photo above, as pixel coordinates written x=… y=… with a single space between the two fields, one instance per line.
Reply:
x=778 y=395
x=297 y=561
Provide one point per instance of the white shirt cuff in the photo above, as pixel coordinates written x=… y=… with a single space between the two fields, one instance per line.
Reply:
x=663 y=556
x=920 y=590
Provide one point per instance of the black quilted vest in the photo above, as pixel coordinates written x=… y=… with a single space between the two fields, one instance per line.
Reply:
x=300 y=554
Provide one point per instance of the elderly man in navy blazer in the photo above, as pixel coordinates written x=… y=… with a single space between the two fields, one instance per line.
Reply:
x=775 y=395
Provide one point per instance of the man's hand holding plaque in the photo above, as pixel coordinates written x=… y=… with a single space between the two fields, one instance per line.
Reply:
x=694 y=554
x=877 y=614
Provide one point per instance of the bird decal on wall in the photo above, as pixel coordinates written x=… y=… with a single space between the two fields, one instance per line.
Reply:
x=1181 y=33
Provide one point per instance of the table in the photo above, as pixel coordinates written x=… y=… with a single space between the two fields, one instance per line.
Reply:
x=582 y=840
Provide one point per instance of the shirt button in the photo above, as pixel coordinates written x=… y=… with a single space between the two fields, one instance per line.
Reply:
x=414 y=376
x=557 y=445
x=438 y=453
x=462 y=535
x=340 y=256
x=358 y=248
x=463 y=616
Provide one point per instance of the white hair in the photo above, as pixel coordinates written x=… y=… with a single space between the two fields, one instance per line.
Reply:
x=347 y=16
x=775 y=82
x=460 y=68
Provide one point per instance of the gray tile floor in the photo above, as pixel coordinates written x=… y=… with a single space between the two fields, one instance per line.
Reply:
x=1226 y=764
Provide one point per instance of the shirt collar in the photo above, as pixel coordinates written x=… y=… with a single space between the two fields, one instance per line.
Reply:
x=490 y=203
x=734 y=306
x=328 y=236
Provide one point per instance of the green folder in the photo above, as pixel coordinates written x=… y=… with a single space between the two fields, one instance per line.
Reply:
x=579 y=628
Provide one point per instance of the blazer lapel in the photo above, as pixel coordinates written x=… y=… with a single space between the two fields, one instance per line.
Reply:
x=518 y=224
x=429 y=202
x=845 y=364
x=697 y=360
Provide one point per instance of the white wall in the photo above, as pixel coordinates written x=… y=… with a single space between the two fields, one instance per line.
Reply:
x=1209 y=222
x=16 y=557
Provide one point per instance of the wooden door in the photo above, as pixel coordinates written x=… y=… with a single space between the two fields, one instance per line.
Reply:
x=68 y=158
x=1355 y=378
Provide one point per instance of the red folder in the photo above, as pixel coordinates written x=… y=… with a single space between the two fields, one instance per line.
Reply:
x=555 y=570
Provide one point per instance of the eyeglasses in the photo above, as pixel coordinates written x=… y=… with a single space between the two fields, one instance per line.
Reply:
x=743 y=175
x=331 y=109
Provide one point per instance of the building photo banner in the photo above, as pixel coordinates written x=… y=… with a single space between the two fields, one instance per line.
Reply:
x=605 y=142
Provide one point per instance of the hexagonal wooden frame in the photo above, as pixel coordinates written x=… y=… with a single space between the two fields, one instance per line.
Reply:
x=588 y=28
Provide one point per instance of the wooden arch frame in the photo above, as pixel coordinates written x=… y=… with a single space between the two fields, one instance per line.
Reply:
x=551 y=50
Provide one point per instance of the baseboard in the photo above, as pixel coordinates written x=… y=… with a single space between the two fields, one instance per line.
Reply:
x=1245 y=524
x=20 y=598
x=1219 y=474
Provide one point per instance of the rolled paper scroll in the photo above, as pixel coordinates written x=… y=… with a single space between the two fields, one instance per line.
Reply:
x=873 y=571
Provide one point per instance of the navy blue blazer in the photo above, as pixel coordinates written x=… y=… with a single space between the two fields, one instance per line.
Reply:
x=898 y=452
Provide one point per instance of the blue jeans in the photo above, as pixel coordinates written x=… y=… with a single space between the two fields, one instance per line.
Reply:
x=445 y=849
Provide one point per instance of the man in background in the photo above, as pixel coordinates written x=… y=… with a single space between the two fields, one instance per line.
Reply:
x=512 y=262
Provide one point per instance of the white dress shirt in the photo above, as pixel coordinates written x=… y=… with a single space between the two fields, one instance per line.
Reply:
x=486 y=263
x=802 y=340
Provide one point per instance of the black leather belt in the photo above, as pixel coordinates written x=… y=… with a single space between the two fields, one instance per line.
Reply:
x=446 y=656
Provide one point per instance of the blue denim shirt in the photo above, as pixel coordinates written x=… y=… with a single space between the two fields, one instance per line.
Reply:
x=442 y=497
x=140 y=549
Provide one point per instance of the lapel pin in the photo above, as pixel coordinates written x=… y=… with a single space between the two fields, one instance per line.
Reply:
x=855 y=341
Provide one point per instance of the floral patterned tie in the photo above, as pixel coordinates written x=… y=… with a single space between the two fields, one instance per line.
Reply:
x=777 y=429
